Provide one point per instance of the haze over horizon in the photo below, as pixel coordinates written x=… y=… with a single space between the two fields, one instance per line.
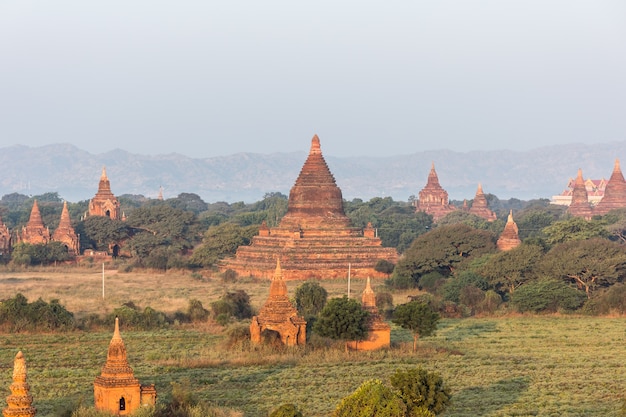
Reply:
x=205 y=80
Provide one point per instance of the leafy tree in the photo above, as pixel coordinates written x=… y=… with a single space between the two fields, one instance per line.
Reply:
x=342 y=319
x=17 y=314
x=506 y=271
x=615 y=224
x=372 y=398
x=39 y=254
x=221 y=241
x=196 y=311
x=417 y=317
x=188 y=202
x=420 y=389
x=443 y=250
x=575 y=228
x=533 y=219
x=590 y=264
x=547 y=295
x=286 y=410
x=98 y=232
x=451 y=290
x=310 y=298
x=384 y=266
x=471 y=220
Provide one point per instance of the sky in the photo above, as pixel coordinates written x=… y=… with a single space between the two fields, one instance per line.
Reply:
x=213 y=78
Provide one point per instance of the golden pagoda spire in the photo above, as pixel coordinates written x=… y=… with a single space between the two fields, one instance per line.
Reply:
x=20 y=401
x=368 y=300
x=315 y=146
x=278 y=288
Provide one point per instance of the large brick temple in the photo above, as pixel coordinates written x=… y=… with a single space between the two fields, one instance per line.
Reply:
x=315 y=239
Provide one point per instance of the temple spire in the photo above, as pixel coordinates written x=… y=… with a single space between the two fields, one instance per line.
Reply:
x=35 y=215
x=278 y=288
x=315 y=146
x=104 y=177
x=509 y=239
x=368 y=299
x=20 y=401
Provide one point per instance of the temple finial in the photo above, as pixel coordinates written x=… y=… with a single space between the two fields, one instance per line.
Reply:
x=104 y=173
x=315 y=145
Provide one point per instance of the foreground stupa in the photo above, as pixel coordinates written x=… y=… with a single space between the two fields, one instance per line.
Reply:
x=315 y=239
x=20 y=402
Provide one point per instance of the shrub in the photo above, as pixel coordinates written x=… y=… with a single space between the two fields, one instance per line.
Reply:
x=431 y=281
x=17 y=314
x=420 y=389
x=471 y=296
x=286 y=410
x=451 y=290
x=237 y=334
x=547 y=295
x=229 y=275
x=384 y=266
x=611 y=300
x=233 y=304
x=131 y=316
x=384 y=303
x=196 y=311
x=491 y=302
x=372 y=398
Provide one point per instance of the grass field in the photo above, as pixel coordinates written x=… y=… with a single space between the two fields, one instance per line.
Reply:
x=513 y=366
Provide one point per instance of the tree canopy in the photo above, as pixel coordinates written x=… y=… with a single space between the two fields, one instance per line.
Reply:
x=417 y=317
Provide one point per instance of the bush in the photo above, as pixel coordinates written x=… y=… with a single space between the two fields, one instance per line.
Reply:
x=401 y=282
x=384 y=303
x=233 y=304
x=286 y=410
x=229 y=276
x=451 y=290
x=420 y=389
x=384 y=266
x=547 y=295
x=131 y=316
x=372 y=398
x=612 y=300
x=431 y=281
x=196 y=311
x=17 y=314
x=491 y=302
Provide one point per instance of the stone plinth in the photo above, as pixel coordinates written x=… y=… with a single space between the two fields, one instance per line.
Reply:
x=116 y=389
x=20 y=402
x=65 y=233
x=433 y=199
x=580 y=207
x=480 y=207
x=35 y=233
x=378 y=332
x=315 y=238
x=614 y=193
x=104 y=202
x=279 y=315
x=509 y=239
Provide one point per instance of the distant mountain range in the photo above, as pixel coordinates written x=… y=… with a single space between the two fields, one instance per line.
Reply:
x=74 y=173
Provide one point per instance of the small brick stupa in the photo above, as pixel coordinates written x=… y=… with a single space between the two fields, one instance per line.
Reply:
x=65 y=233
x=116 y=389
x=509 y=239
x=480 y=207
x=104 y=202
x=35 y=232
x=279 y=315
x=20 y=401
x=433 y=199
x=580 y=207
x=5 y=239
x=315 y=238
x=378 y=332
x=614 y=193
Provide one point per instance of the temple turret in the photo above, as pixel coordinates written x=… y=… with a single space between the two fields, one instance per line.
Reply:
x=35 y=232
x=66 y=234
x=480 y=207
x=315 y=239
x=5 y=239
x=580 y=207
x=279 y=315
x=614 y=193
x=116 y=389
x=104 y=202
x=378 y=332
x=509 y=239
x=433 y=199
x=20 y=401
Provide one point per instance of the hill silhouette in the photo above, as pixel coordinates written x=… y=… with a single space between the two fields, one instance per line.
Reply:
x=74 y=173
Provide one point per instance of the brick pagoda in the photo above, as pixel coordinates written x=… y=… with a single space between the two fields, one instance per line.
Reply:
x=580 y=207
x=378 y=332
x=315 y=238
x=65 y=233
x=5 y=239
x=433 y=199
x=614 y=193
x=35 y=232
x=20 y=402
x=104 y=202
x=279 y=314
x=480 y=207
x=117 y=390
x=509 y=239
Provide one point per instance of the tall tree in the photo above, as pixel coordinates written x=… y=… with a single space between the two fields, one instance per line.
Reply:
x=575 y=228
x=590 y=264
x=342 y=319
x=417 y=317
x=506 y=271
x=444 y=249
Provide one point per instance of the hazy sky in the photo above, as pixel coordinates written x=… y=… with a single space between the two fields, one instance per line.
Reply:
x=207 y=78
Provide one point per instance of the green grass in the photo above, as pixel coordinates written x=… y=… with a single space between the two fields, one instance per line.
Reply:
x=519 y=366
